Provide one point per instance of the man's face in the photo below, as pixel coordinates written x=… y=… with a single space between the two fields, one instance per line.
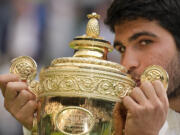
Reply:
x=144 y=43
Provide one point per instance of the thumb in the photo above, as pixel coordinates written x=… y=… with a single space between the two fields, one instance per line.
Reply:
x=119 y=116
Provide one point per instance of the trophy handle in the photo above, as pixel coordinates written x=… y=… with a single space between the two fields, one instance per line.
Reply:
x=155 y=72
x=26 y=68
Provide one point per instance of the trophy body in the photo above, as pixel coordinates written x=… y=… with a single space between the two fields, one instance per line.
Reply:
x=76 y=116
x=77 y=94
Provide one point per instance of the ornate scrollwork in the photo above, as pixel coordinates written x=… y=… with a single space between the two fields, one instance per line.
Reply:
x=35 y=87
x=26 y=68
x=95 y=86
x=105 y=87
x=121 y=89
x=68 y=83
x=155 y=72
x=86 y=84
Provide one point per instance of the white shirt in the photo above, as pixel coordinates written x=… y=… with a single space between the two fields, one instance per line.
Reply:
x=172 y=124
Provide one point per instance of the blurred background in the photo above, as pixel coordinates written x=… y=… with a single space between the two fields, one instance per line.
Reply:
x=43 y=29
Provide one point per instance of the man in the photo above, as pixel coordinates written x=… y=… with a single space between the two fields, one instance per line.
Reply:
x=146 y=33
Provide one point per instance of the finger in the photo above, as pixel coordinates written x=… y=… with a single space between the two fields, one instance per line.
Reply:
x=23 y=97
x=138 y=96
x=160 y=91
x=12 y=90
x=26 y=114
x=130 y=104
x=148 y=90
x=159 y=88
x=4 y=79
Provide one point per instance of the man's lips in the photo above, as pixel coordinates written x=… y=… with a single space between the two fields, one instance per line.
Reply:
x=138 y=82
x=136 y=78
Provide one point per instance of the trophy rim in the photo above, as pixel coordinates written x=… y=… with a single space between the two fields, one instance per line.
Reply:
x=91 y=62
x=94 y=78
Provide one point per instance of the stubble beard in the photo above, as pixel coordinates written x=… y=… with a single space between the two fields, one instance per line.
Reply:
x=174 y=77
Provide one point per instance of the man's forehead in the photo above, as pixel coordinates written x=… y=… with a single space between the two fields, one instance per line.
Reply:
x=139 y=27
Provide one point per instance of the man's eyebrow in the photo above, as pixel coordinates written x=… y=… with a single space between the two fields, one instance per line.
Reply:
x=138 y=34
x=118 y=43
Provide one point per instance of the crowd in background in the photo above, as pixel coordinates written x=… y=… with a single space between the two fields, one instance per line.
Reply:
x=43 y=29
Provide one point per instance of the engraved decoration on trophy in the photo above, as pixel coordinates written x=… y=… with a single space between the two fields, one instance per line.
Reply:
x=75 y=120
x=155 y=72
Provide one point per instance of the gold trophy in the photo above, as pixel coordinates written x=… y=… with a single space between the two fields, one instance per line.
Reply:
x=78 y=94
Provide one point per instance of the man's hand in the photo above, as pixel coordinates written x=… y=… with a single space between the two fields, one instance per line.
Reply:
x=147 y=108
x=18 y=100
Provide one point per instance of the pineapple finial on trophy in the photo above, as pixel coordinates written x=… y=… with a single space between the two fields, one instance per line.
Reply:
x=93 y=29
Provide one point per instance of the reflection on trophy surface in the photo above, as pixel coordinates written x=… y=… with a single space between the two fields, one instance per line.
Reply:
x=78 y=93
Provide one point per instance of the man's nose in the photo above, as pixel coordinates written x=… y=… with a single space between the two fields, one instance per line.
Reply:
x=130 y=60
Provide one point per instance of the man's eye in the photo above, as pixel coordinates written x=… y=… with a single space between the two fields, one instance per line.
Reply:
x=145 y=42
x=121 y=49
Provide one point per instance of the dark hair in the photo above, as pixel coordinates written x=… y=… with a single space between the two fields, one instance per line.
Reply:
x=165 y=12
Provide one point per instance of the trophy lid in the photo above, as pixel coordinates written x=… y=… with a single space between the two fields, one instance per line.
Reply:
x=91 y=44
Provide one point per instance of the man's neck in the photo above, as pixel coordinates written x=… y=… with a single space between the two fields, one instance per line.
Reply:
x=174 y=103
